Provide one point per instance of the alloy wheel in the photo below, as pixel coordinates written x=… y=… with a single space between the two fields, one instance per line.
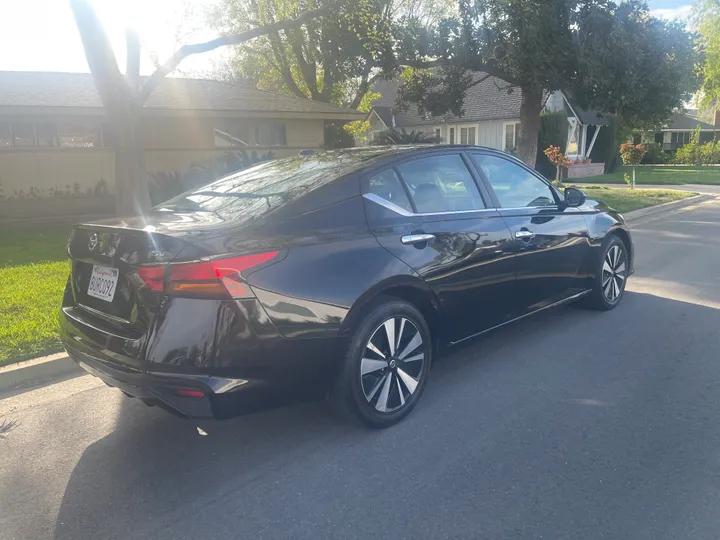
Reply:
x=614 y=274
x=392 y=364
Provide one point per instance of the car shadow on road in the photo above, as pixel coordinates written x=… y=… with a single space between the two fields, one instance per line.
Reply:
x=153 y=463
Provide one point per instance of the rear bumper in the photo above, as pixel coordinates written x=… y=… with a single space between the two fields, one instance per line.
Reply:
x=162 y=389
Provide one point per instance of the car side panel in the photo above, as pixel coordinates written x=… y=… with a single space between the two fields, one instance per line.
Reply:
x=333 y=261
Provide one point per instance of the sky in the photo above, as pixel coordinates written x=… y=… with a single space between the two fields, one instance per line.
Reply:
x=40 y=35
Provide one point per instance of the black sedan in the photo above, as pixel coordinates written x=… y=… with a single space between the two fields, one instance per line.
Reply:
x=340 y=272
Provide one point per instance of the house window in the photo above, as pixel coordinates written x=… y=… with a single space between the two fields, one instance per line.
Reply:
x=230 y=133
x=5 y=135
x=23 y=134
x=270 y=134
x=46 y=134
x=511 y=136
x=79 y=135
x=438 y=138
x=452 y=135
x=467 y=136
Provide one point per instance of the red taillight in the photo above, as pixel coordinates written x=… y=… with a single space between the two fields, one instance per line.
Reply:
x=153 y=277
x=215 y=279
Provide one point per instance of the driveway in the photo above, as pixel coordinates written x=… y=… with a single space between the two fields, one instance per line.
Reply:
x=570 y=425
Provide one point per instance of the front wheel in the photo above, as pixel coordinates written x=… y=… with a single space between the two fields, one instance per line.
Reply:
x=387 y=365
x=611 y=275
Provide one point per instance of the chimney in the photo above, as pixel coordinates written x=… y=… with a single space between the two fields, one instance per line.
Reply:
x=717 y=117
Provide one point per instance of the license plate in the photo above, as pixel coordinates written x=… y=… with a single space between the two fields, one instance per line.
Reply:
x=103 y=282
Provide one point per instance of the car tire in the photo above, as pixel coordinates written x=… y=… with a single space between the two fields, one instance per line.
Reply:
x=381 y=381
x=611 y=273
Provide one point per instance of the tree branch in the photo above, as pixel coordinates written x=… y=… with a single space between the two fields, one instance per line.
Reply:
x=363 y=89
x=234 y=39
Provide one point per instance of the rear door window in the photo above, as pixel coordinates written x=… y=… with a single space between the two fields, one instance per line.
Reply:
x=388 y=187
x=441 y=183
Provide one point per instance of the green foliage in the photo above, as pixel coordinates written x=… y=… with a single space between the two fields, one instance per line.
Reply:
x=656 y=155
x=707 y=20
x=167 y=184
x=553 y=132
x=331 y=59
x=359 y=130
x=695 y=153
x=337 y=135
x=393 y=136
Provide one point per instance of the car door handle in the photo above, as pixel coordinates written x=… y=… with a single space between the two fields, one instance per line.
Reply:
x=416 y=238
x=524 y=234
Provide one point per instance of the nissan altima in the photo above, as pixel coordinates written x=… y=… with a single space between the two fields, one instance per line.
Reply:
x=339 y=273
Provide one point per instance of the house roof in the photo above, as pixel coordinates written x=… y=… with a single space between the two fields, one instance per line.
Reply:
x=54 y=89
x=485 y=101
x=683 y=122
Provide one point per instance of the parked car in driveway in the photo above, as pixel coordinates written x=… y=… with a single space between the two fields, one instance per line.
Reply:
x=341 y=272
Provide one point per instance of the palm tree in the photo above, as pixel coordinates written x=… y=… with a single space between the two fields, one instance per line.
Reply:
x=393 y=136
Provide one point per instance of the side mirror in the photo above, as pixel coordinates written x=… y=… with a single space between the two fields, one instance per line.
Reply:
x=574 y=197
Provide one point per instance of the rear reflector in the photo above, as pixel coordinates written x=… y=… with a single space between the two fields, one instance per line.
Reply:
x=187 y=392
x=214 y=279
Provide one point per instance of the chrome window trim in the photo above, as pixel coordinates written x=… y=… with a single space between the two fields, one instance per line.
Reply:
x=400 y=210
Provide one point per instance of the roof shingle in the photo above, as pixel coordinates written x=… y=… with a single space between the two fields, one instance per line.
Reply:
x=54 y=89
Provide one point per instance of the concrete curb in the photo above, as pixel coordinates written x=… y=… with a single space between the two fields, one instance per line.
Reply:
x=636 y=215
x=37 y=372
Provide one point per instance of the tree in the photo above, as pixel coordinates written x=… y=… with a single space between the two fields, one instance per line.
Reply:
x=707 y=20
x=335 y=59
x=123 y=96
x=632 y=154
x=558 y=158
x=612 y=57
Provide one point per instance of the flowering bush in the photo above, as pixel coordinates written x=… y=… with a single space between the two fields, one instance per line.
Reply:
x=632 y=154
x=557 y=158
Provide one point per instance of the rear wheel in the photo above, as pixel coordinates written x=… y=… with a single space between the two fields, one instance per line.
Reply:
x=611 y=275
x=386 y=368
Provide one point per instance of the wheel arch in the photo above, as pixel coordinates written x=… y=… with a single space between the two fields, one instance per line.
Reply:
x=625 y=238
x=411 y=289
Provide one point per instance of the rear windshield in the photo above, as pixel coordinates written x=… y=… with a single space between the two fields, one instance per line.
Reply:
x=256 y=191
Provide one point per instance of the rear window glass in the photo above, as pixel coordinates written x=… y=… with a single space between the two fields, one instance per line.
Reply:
x=258 y=190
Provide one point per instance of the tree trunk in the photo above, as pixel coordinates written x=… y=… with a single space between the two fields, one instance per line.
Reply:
x=131 y=188
x=530 y=108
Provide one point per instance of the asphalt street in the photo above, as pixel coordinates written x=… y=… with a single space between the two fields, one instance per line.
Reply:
x=571 y=425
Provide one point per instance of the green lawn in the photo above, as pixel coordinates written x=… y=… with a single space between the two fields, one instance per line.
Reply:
x=660 y=175
x=626 y=200
x=33 y=272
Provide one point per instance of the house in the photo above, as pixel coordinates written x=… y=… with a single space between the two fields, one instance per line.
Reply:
x=491 y=118
x=677 y=131
x=54 y=143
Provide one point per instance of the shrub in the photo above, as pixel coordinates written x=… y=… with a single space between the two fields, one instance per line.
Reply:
x=553 y=132
x=655 y=154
